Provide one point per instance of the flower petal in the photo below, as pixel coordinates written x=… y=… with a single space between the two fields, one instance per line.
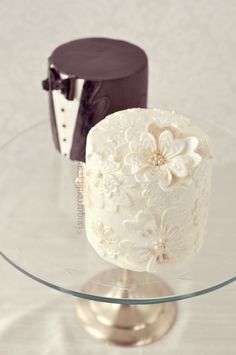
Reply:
x=164 y=177
x=154 y=130
x=150 y=174
x=143 y=225
x=196 y=159
x=176 y=148
x=152 y=265
x=165 y=141
x=135 y=254
x=143 y=217
x=177 y=167
x=109 y=166
x=191 y=143
x=136 y=161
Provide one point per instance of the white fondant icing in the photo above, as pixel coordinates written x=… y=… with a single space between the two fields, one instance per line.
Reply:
x=66 y=113
x=144 y=218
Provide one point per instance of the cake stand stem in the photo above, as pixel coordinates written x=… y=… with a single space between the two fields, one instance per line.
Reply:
x=126 y=277
x=126 y=324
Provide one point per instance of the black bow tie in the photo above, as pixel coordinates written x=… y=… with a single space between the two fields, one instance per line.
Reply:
x=54 y=82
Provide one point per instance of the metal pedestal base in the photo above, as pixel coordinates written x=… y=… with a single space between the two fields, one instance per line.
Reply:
x=126 y=324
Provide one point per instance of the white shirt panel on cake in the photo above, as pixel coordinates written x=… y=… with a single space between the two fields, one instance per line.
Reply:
x=66 y=113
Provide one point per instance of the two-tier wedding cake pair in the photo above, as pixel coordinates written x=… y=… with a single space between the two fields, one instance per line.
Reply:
x=146 y=172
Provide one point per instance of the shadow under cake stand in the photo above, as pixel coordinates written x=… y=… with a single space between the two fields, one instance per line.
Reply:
x=39 y=237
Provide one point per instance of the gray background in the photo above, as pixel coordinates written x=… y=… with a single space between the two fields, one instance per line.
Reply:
x=192 y=54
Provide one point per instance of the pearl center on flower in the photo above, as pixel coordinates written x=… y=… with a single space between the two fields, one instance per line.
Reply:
x=160 y=244
x=157 y=159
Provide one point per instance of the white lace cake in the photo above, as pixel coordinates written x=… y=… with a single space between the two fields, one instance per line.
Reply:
x=147 y=182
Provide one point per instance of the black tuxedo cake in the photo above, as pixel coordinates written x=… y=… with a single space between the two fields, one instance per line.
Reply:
x=89 y=79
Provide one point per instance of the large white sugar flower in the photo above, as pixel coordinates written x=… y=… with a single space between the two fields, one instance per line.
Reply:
x=105 y=240
x=155 y=244
x=159 y=156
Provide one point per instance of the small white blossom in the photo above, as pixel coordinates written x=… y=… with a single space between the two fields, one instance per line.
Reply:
x=105 y=239
x=103 y=173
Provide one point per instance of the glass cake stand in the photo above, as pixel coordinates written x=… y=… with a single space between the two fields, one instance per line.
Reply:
x=39 y=237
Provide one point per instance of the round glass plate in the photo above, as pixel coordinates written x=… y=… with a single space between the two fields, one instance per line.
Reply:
x=39 y=234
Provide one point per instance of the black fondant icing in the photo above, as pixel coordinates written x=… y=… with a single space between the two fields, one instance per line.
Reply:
x=116 y=78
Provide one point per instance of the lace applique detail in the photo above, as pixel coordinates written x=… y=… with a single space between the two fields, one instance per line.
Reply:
x=105 y=240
